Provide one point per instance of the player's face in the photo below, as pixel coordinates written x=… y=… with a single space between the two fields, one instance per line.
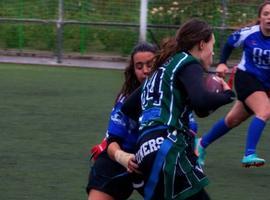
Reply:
x=265 y=19
x=207 y=49
x=143 y=62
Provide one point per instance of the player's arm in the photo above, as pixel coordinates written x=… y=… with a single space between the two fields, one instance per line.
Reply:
x=202 y=101
x=116 y=153
x=222 y=67
x=235 y=40
x=132 y=105
x=117 y=130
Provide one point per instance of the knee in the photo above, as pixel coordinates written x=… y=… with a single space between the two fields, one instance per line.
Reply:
x=232 y=121
x=264 y=114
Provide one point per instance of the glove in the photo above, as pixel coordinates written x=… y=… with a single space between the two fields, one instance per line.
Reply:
x=97 y=149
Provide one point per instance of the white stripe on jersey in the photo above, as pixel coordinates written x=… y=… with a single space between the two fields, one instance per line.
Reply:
x=244 y=33
x=171 y=86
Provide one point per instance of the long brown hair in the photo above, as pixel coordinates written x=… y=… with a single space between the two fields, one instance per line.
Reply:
x=131 y=82
x=187 y=36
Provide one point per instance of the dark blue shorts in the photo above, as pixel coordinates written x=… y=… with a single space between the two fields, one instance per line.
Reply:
x=110 y=177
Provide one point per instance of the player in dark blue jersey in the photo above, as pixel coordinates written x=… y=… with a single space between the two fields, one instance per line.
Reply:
x=111 y=175
x=252 y=84
x=165 y=146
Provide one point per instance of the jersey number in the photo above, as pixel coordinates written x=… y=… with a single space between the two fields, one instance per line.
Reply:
x=261 y=57
x=152 y=89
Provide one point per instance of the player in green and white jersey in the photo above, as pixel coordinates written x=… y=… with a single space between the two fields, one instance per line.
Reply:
x=165 y=146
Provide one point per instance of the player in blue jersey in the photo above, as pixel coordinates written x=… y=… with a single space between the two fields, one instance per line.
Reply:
x=165 y=146
x=111 y=176
x=252 y=84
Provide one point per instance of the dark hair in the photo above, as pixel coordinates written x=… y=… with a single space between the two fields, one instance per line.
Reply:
x=187 y=36
x=261 y=6
x=131 y=82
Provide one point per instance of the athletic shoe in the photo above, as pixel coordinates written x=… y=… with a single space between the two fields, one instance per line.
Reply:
x=252 y=160
x=199 y=151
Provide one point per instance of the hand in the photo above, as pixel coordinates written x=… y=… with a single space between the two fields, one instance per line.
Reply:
x=222 y=69
x=133 y=166
x=224 y=83
x=127 y=160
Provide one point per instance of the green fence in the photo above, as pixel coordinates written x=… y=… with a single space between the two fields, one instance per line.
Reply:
x=111 y=27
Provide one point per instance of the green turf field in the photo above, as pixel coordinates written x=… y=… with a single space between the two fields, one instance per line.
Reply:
x=51 y=116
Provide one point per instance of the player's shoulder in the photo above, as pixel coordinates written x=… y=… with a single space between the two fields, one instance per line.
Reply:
x=239 y=36
x=249 y=30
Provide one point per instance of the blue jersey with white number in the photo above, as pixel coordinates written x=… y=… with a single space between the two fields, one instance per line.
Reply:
x=256 y=52
x=123 y=127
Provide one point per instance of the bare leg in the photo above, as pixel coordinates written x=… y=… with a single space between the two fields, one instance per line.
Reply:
x=98 y=195
x=259 y=103
x=236 y=115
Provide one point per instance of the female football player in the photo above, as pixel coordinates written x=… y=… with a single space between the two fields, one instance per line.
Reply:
x=252 y=85
x=109 y=179
x=165 y=146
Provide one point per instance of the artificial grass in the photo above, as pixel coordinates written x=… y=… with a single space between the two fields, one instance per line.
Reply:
x=50 y=117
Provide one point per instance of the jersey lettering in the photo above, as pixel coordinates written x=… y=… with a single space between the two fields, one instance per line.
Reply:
x=148 y=147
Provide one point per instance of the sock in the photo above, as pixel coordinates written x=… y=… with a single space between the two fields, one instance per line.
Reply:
x=193 y=126
x=219 y=129
x=254 y=133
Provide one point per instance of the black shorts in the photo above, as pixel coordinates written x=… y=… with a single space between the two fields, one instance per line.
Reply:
x=245 y=85
x=110 y=177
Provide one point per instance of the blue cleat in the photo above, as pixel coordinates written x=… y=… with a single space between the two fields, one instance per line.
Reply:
x=199 y=151
x=252 y=160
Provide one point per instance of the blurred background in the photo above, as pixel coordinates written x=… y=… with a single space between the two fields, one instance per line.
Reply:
x=83 y=28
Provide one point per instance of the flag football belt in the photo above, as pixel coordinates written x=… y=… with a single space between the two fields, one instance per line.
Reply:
x=158 y=163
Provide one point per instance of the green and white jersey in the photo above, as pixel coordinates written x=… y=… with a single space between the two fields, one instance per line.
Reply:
x=163 y=103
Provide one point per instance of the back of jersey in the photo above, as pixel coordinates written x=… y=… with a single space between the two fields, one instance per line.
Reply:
x=162 y=101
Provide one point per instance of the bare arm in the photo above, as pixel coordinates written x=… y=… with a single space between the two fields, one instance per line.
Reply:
x=222 y=68
x=125 y=159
